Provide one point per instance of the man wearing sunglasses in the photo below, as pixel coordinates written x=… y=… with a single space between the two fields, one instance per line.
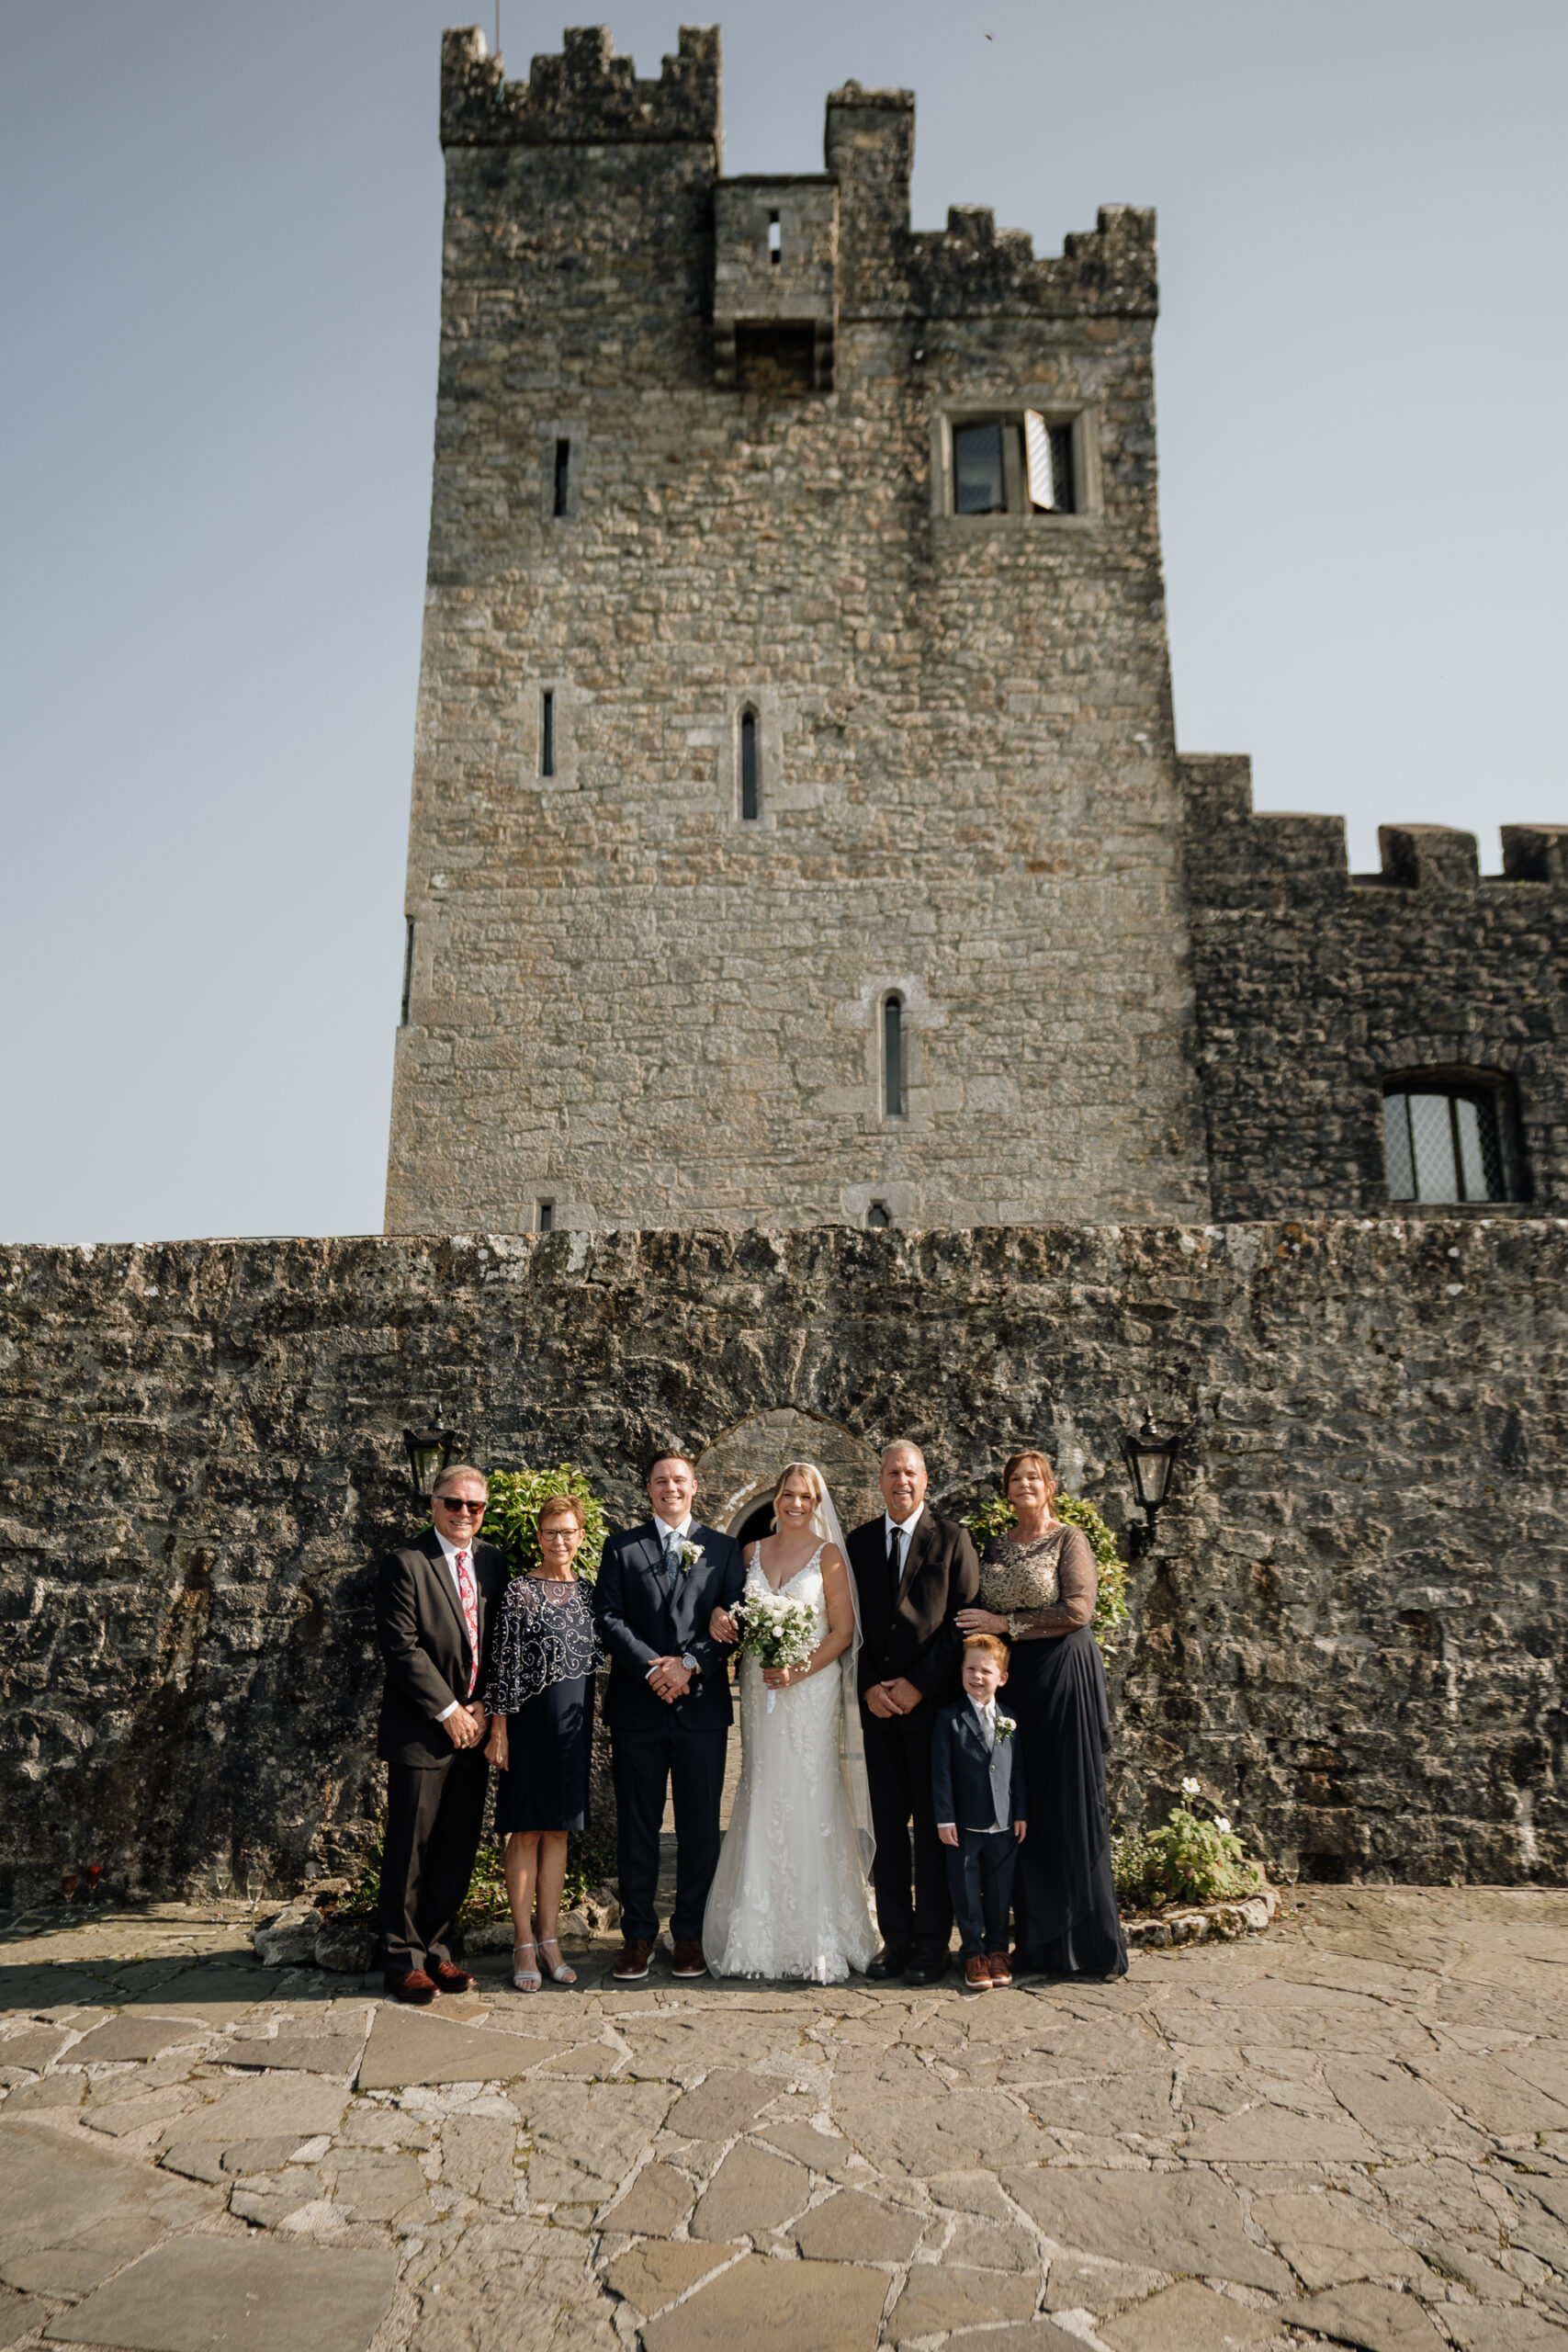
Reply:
x=438 y=1600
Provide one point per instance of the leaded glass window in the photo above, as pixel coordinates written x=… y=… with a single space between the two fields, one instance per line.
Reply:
x=1443 y=1141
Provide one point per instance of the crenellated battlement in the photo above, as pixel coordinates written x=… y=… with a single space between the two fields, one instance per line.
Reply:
x=585 y=94
x=971 y=267
x=1240 y=856
x=588 y=96
x=1317 y=988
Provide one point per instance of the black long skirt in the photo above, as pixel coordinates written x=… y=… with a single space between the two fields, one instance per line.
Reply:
x=1064 y=1902
x=550 y=1746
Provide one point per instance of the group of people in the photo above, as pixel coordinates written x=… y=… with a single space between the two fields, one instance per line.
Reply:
x=943 y=1746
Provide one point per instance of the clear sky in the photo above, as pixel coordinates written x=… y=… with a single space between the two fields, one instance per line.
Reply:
x=219 y=293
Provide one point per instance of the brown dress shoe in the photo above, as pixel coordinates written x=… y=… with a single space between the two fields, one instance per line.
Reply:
x=977 y=1973
x=633 y=1961
x=415 y=1985
x=689 y=1961
x=453 y=1979
x=996 y=1962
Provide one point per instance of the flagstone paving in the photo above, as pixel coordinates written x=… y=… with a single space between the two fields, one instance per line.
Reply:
x=1351 y=2130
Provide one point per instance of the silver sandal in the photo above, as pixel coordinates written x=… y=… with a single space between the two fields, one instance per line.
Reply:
x=526 y=1980
x=559 y=1973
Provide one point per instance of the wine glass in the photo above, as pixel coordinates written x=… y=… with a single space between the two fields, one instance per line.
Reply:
x=70 y=1880
x=95 y=1877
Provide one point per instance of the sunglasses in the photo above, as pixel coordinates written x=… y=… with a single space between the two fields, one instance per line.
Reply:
x=446 y=1503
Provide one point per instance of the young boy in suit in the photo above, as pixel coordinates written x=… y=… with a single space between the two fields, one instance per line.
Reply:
x=977 y=1791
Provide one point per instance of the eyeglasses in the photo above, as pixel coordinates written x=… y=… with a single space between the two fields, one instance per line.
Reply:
x=447 y=1502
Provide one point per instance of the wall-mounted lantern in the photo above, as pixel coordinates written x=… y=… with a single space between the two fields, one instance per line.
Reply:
x=1150 y=1458
x=429 y=1453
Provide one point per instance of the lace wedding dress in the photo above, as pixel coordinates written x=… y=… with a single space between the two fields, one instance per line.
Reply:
x=790 y=1897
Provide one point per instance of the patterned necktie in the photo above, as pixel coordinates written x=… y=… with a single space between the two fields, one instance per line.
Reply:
x=673 y=1561
x=470 y=1600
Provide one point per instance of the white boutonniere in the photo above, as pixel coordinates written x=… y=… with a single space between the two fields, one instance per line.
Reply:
x=1006 y=1726
x=691 y=1556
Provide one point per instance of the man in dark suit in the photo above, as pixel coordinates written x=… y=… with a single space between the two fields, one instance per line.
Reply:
x=913 y=1573
x=438 y=1600
x=668 y=1707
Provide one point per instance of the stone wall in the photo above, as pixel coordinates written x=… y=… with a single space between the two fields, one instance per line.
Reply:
x=1314 y=984
x=1352 y=1627
x=626 y=998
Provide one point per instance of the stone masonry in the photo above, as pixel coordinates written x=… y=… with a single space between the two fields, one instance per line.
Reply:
x=679 y=483
x=1314 y=985
x=695 y=475
x=1352 y=2130
x=1350 y=1628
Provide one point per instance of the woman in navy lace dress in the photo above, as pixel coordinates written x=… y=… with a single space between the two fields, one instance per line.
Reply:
x=540 y=1696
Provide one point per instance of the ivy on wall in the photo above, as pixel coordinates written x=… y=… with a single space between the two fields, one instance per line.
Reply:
x=1111 y=1603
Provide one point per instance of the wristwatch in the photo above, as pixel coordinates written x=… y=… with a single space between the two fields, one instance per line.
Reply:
x=689 y=1662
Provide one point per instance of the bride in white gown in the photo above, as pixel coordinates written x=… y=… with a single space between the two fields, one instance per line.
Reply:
x=790 y=1896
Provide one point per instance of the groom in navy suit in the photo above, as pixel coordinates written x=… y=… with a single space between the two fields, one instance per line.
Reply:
x=668 y=1707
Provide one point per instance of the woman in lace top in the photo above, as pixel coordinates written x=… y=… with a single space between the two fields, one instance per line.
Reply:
x=1038 y=1586
x=540 y=1696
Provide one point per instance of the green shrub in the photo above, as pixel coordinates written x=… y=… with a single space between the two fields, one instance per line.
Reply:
x=512 y=1522
x=997 y=1517
x=1190 y=1861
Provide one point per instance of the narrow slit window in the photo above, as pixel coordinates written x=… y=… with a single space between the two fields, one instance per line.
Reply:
x=750 y=792
x=775 y=241
x=548 y=733
x=563 y=474
x=892 y=1057
x=408 y=974
x=546 y=1216
x=877 y=1216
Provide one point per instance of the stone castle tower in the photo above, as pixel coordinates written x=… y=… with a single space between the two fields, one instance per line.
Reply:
x=798 y=833
x=796 y=822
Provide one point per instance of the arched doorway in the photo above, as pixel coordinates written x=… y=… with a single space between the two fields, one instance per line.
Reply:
x=736 y=1473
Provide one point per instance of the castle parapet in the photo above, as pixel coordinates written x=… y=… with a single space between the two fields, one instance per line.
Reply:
x=583 y=96
x=972 y=268
x=1239 y=856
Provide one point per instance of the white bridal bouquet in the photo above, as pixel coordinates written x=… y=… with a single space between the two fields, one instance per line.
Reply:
x=776 y=1630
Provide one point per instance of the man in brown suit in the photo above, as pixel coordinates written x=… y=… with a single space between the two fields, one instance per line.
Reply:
x=913 y=1572
x=438 y=1600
